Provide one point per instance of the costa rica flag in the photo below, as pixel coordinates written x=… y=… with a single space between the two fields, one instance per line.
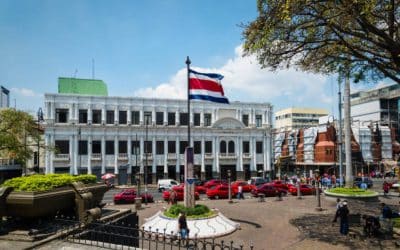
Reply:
x=206 y=86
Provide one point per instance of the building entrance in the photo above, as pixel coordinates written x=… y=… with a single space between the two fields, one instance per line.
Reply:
x=224 y=172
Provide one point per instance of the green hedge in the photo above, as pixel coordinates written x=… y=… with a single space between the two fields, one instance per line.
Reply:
x=351 y=191
x=46 y=182
x=198 y=211
x=396 y=222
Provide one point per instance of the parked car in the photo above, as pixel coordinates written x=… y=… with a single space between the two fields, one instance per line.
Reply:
x=219 y=191
x=268 y=190
x=245 y=185
x=179 y=193
x=129 y=195
x=279 y=184
x=305 y=189
x=215 y=182
x=359 y=180
x=164 y=184
x=256 y=181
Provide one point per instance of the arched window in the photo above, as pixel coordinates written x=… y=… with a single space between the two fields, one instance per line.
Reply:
x=231 y=147
x=222 y=147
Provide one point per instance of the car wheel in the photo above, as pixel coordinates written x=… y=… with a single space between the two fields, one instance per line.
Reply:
x=216 y=197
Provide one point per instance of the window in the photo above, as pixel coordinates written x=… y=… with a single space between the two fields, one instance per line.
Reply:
x=207 y=120
x=148 y=147
x=83 y=116
x=183 y=119
x=159 y=118
x=182 y=146
x=110 y=117
x=258 y=121
x=245 y=120
x=197 y=147
x=171 y=147
x=62 y=147
x=171 y=119
x=222 y=147
x=96 y=147
x=196 y=118
x=135 y=117
x=208 y=147
x=96 y=116
x=122 y=147
x=61 y=115
x=135 y=147
x=246 y=147
x=159 y=147
x=82 y=148
x=122 y=117
x=147 y=118
x=231 y=147
x=259 y=147
x=110 y=148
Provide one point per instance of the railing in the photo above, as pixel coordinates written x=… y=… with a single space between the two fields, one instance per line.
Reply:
x=149 y=156
x=106 y=235
x=227 y=155
x=171 y=156
x=122 y=156
x=246 y=155
x=61 y=157
x=96 y=156
x=208 y=155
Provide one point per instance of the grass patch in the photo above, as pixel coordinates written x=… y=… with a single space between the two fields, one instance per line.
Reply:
x=197 y=212
x=351 y=191
x=396 y=222
x=40 y=182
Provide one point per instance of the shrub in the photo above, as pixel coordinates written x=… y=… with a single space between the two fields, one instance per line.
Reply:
x=351 y=191
x=46 y=182
x=396 y=222
x=198 y=211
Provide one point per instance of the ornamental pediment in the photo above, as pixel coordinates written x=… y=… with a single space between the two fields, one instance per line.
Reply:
x=228 y=123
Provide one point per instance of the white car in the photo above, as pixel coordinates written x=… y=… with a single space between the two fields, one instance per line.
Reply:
x=165 y=184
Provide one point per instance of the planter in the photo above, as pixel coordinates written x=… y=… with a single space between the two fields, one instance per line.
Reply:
x=48 y=203
x=366 y=197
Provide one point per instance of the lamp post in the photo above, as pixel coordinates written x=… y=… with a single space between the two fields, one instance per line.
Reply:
x=298 y=183
x=229 y=186
x=147 y=116
x=316 y=175
x=39 y=119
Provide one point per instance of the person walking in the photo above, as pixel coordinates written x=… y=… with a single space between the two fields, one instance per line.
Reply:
x=172 y=197
x=183 y=228
x=240 y=192
x=343 y=214
x=385 y=187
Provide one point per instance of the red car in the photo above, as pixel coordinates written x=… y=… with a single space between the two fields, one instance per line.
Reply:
x=268 y=190
x=245 y=185
x=279 y=184
x=179 y=193
x=129 y=195
x=214 y=182
x=219 y=191
x=305 y=189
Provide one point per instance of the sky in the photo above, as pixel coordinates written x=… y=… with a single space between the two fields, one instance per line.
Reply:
x=139 y=48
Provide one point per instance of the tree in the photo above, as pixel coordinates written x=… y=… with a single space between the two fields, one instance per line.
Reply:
x=358 y=37
x=18 y=132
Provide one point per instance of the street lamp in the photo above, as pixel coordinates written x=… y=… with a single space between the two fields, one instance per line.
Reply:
x=316 y=175
x=298 y=183
x=229 y=186
x=39 y=119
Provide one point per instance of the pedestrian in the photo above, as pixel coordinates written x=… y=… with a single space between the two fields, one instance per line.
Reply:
x=385 y=187
x=372 y=225
x=240 y=192
x=172 y=197
x=343 y=214
x=386 y=211
x=338 y=204
x=183 y=228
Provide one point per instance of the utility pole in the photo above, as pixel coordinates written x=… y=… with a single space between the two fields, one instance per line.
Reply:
x=340 y=140
x=347 y=131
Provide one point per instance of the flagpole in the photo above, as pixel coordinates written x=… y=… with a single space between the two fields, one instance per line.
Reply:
x=188 y=99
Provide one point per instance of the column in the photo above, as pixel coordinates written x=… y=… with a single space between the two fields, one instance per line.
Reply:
x=103 y=155
x=47 y=154
x=166 y=157
x=47 y=110
x=141 y=114
x=90 y=116
x=153 y=116
x=76 y=117
x=71 y=155
x=265 y=153
x=116 y=115
x=51 y=154
x=203 y=165
x=142 y=157
x=177 y=118
x=216 y=154
x=89 y=154
x=52 y=111
x=240 y=156
x=129 y=142
x=103 y=115
x=116 y=170
x=129 y=115
x=253 y=156
x=268 y=151
x=153 y=146
x=177 y=155
x=70 y=113
x=165 y=117
x=191 y=119
x=202 y=118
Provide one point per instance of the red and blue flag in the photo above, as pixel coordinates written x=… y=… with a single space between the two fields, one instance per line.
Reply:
x=206 y=86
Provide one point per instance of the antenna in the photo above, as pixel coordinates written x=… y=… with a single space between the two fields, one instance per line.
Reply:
x=93 y=68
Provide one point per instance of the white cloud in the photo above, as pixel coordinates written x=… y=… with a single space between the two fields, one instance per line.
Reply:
x=25 y=92
x=244 y=80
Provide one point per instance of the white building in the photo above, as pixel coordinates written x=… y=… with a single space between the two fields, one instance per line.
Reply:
x=99 y=134
x=296 y=117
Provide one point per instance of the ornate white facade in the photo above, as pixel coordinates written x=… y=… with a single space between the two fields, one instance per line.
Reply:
x=99 y=134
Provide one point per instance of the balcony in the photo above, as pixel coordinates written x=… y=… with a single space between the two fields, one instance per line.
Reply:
x=246 y=155
x=61 y=157
x=149 y=156
x=208 y=156
x=171 y=156
x=227 y=156
x=122 y=156
x=96 y=157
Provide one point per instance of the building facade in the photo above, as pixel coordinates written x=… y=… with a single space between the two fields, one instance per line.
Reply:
x=295 y=118
x=4 y=97
x=146 y=138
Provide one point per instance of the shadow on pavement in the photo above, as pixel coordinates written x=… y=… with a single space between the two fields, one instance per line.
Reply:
x=247 y=222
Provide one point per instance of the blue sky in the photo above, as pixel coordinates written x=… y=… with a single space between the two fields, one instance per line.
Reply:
x=139 y=49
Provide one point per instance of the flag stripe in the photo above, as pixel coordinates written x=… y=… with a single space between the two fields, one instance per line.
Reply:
x=213 y=76
x=205 y=84
x=209 y=98
x=205 y=92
